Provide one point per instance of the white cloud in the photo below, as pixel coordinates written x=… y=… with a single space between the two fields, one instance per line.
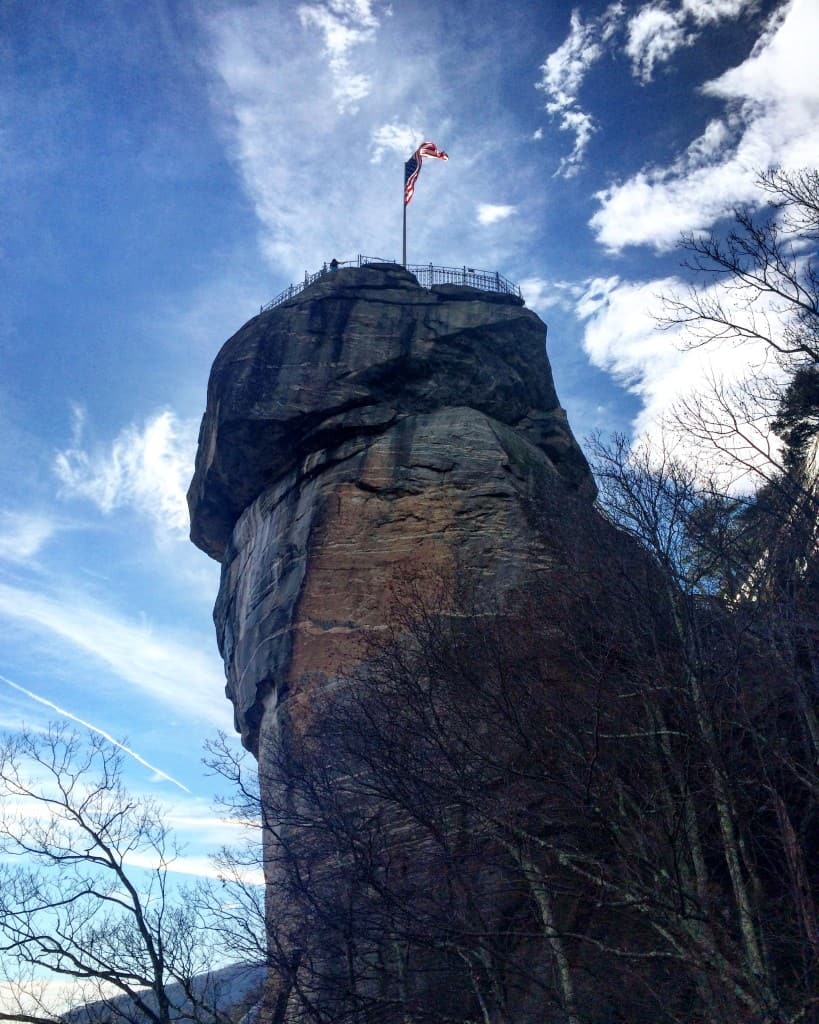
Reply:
x=657 y=31
x=596 y=296
x=40 y=997
x=584 y=127
x=621 y=334
x=201 y=866
x=773 y=119
x=654 y=34
x=622 y=337
x=782 y=66
x=196 y=832
x=562 y=76
x=647 y=210
x=145 y=468
x=168 y=669
x=708 y=147
x=564 y=69
x=202 y=834
x=344 y=25
x=491 y=213
x=706 y=12
x=540 y=294
x=23 y=535
x=399 y=139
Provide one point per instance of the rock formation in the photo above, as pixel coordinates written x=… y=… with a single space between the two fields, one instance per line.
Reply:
x=366 y=426
x=362 y=430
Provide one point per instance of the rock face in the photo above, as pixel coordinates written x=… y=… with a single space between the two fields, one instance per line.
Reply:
x=367 y=429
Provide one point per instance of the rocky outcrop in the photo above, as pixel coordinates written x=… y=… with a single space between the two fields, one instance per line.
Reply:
x=366 y=429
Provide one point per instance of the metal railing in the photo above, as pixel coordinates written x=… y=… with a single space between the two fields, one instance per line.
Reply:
x=485 y=280
x=426 y=273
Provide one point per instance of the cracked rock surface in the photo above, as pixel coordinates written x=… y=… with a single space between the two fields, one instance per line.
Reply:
x=364 y=431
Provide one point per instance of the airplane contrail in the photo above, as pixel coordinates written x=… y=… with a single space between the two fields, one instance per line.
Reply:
x=93 y=728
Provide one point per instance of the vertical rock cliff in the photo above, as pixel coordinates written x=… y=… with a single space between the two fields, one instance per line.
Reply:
x=364 y=430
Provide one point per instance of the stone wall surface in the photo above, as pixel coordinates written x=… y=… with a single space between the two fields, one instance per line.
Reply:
x=362 y=431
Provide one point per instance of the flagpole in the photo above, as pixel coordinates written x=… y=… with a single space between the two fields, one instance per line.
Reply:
x=404 y=248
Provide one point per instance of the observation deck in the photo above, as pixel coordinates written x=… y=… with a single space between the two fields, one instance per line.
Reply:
x=426 y=273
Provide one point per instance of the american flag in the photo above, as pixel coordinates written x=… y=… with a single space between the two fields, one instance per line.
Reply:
x=412 y=168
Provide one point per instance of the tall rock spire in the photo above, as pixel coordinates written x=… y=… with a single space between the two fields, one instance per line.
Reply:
x=365 y=430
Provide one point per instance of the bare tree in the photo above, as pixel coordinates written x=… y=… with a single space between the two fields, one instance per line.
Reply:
x=746 y=636
x=757 y=287
x=368 y=889
x=768 y=274
x=85 y=891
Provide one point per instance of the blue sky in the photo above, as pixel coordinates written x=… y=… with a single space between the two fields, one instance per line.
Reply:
x=167 y=167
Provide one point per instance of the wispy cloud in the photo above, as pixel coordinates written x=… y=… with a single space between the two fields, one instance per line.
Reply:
x=622 y=337
x=93 y=728
x=564 y=71
x=400 y=140
x=541 y=294
x=772 y=118
x=707 y=12
x=171 y=671
x=654 y=34
x=649 y=37
x=146 y=468
x=491 y=213
x=200 y=866
x=23 y=535
x=344 y=25
x=658 y=30
x=309 y=201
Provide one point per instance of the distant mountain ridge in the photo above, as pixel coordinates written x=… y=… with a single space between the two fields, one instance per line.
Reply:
x=233 y=991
